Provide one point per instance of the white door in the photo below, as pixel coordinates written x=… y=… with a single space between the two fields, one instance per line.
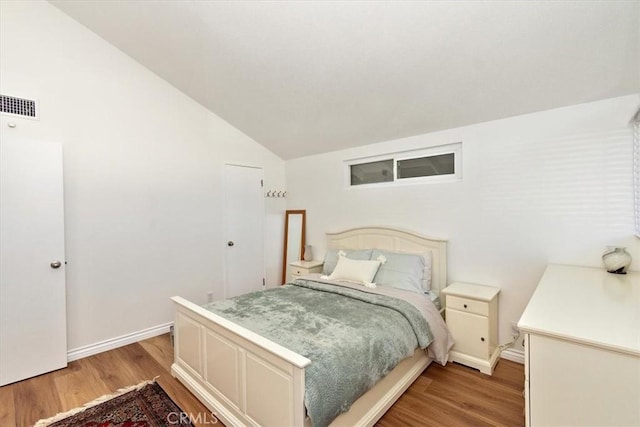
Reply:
x=33 y=331
x=244 y=219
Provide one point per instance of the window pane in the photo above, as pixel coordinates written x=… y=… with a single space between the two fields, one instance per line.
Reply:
x=370 y=173
x=442 y=164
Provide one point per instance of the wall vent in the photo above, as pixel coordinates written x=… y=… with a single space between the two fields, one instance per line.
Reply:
x=27 y=108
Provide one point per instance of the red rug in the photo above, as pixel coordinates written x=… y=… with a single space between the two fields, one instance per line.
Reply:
x=144 y=405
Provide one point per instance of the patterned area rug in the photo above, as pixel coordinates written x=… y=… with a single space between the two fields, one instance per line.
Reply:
x=143 y=405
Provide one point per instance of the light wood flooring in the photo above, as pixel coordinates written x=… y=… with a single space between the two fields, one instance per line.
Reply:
x=442 y=396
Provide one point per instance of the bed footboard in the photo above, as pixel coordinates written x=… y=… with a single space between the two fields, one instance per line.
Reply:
x=242 y=377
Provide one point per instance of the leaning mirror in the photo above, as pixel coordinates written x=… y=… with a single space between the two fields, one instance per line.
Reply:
x=294 y=230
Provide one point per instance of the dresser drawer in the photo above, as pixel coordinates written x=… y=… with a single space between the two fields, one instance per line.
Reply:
x=468 y=305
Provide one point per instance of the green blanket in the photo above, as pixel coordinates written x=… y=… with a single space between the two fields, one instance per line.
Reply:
x=353 y=338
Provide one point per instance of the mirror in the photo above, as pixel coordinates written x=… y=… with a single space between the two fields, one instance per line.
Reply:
x=294 y=230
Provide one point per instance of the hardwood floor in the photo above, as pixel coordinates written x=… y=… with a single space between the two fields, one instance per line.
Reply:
x=442 y=396
x=455 y=395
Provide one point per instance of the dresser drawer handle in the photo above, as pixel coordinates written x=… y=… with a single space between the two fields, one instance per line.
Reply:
x=482 y=339
x=465 y=306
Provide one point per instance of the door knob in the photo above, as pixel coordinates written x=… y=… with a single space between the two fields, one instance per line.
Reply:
x=230 y=243
x=56 y=264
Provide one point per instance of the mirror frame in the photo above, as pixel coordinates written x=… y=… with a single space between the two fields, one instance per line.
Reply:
x=285 y=261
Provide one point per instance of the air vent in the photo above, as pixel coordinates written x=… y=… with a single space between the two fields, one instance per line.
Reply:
x=27 y=108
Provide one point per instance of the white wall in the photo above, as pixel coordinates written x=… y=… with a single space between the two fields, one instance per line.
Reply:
x=549 y=187
x=144 y=167
x=143 y=171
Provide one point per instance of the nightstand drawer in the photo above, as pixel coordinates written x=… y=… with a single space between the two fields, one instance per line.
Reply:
x=297 y=271
x=468 y=305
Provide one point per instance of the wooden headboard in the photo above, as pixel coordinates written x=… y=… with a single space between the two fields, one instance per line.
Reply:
x=397 y=240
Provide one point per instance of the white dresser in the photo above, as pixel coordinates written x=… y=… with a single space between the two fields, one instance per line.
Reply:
x=582 y=349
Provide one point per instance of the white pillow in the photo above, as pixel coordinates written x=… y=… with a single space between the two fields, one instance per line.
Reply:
x=358 y=271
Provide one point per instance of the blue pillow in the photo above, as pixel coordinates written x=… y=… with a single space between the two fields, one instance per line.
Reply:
x=331 y=258
x=400 y=271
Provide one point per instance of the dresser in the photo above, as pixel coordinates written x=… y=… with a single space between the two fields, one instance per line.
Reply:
x=582 y=349
x=471 y=313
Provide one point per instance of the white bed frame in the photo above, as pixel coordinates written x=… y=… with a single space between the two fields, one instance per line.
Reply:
x=246 y=379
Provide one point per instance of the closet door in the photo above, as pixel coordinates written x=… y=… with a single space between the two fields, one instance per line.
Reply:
x=33 y=336
x=244 y=217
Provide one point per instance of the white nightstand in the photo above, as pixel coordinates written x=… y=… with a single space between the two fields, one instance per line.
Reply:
x=302 y=268
x=471 y=313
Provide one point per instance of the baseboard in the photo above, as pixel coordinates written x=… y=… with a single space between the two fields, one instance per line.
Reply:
x=513 y=355
x=110 y=344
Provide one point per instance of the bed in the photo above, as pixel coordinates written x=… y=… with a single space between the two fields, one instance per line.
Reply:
x=247 y=379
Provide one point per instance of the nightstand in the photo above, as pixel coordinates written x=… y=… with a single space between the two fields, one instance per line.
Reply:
x=302 y=268
x=471 y=313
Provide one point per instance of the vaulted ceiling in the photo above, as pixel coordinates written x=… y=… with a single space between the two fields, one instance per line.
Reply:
x=308 y=77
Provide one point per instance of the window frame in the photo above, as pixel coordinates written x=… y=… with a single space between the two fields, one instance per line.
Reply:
x=454 y=148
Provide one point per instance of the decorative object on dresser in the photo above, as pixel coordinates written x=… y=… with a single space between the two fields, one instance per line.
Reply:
x=471 y=312
x=616 y=260
x=582 y=348
x=302 y=268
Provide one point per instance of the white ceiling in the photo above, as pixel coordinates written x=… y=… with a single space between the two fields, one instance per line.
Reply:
x=309 y=77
